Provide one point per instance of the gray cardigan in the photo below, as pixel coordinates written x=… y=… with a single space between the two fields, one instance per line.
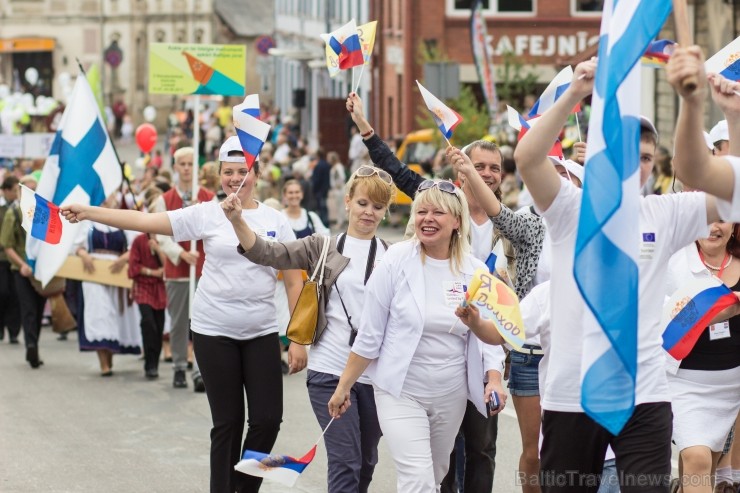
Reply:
x=301 y=254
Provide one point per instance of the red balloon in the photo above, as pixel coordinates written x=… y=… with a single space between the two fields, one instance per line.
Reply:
x=146 y=137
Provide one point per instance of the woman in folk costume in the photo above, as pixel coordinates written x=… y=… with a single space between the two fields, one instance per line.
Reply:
x=108 y=319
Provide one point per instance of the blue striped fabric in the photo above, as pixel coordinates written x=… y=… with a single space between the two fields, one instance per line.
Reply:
x=605 y=267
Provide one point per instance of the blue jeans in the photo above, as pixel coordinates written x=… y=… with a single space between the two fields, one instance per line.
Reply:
x=524 y=373
x=609 y=478
x=351 y=442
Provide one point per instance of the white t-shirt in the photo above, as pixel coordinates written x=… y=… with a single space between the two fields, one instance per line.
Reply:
x=438 y=365
x=481 y=239
x=330 y=353
x=667 y=224
x=730 y=211
x=302 y=222
x=235 y=297
x=535 y=309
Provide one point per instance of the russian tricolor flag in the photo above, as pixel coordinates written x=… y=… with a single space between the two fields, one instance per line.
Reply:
x=658 y=53
x=40 y=217
x=689 y=311
x=281 y=468
x=252 y=132
x=726 y=62
x=445 y=118
x=552 y=93
x=517 y=122
x=345 y=42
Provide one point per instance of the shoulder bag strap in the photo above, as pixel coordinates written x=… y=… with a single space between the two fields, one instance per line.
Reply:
x=322 y=261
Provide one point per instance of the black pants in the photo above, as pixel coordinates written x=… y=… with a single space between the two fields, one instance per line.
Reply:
x=10 y=313
x=480 y=435
x=574 y=445
x=32 y=309
x=152 y=328
x=230 y=367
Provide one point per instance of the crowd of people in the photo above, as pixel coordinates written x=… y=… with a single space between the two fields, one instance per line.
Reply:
x=397 y=353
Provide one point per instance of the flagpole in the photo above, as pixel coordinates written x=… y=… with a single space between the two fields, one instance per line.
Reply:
x=115 y=151
x=578 y=126
x=324 y=432
x=360 y=79
x=353 y=78
x=194 y=195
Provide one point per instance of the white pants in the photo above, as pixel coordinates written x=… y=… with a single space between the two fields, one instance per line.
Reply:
x=420 y=433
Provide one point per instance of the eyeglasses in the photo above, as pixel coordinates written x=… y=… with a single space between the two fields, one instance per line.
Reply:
x=445 y=186
x=366 y=171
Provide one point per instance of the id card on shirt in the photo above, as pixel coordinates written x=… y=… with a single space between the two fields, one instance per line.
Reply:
x=267 y=235
x=719 y=330
x=454 y=293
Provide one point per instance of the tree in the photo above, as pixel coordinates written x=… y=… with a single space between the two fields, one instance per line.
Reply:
x=514 y=81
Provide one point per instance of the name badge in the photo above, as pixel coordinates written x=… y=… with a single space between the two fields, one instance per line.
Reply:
x=719 y=330
x=454 y=293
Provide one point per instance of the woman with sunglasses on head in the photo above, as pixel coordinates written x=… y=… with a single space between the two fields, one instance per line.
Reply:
x=352 y=443
x=410 y=343
x=235 y=333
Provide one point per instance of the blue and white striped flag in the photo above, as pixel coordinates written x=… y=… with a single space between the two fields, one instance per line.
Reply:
x=606 y=255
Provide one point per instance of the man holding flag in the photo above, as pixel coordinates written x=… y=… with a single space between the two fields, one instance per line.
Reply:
x=605 y=381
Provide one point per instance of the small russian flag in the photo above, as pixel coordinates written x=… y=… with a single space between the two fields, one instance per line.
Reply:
x=345 y=43
x=689 y=311
x=40 y=217
x=726 y=62
x=658 y=53
x=552 y=93
x=280 y=468
x=252 y=132
x=519 y=123
x=445 y=118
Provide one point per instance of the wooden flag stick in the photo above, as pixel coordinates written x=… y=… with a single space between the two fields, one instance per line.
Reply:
x=684 y=37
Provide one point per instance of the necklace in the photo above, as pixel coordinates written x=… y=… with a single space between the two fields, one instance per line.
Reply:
x=726 y=262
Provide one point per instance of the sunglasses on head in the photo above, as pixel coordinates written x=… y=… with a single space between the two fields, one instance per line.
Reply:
x=366 y=171
x=445 y=186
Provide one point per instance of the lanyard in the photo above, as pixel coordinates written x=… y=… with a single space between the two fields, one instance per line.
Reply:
x=721 y=267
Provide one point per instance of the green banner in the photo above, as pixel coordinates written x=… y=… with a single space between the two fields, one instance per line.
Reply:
x=180 y=68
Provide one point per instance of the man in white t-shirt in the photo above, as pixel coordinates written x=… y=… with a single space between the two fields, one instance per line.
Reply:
x=667 y=223
x=718 y=174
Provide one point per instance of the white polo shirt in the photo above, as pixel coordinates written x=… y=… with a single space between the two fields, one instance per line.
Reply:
x=667 y=224
x=235 y=297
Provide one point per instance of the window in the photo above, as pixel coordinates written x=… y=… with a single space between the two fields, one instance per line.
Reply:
x=506 y=7
x=587 y=7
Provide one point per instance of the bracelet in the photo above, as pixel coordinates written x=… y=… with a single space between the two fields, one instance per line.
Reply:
x=367 y=134
x=147 y=271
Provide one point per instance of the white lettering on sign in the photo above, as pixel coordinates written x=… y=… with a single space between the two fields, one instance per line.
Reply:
x=538 y=45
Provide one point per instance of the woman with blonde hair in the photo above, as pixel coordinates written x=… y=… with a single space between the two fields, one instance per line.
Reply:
x=410 y=344
x=352 y=444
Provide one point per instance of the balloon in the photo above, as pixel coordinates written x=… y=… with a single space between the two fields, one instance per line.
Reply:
x=32 y=75
x=150 y=113
x=27 y=100
x=146 y=137
x=4 y=91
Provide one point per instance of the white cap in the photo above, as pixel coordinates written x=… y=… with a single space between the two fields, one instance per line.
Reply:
x=572 y=167
x=231 y=144
x=719 y=132
x=646 y=123
x=708 y=141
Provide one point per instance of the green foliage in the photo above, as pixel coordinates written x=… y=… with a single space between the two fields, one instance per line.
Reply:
x=514 y=80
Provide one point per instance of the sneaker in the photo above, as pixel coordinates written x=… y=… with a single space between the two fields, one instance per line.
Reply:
x=198 y=384
x=179 y=382
x=151 y=374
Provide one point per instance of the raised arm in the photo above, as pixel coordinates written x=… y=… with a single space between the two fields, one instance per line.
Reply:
x=157 y=223
x=484 y=195
x=694 y=166
x=530 y=155
x=278 y=255
x=405 y=179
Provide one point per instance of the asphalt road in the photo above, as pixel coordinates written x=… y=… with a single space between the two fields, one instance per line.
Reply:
x=63 y=428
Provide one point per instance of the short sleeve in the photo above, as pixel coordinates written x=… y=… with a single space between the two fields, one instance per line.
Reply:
x=562 y=215
x=285 y=232
x=189 y=223
x=683 y=216
x=7 y=229
x=730 y=211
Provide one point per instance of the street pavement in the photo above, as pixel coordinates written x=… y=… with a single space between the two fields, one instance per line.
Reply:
x=63 y=428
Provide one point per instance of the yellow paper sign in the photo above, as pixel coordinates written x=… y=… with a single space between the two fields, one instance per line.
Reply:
x=498 y=302
x=179 y=68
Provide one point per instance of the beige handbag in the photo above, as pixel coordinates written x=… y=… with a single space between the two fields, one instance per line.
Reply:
x=303 y=320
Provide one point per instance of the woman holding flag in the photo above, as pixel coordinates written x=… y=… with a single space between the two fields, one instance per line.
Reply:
x=705 y=383
x=235 y=333
x=352 y=443
x=416 y=363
